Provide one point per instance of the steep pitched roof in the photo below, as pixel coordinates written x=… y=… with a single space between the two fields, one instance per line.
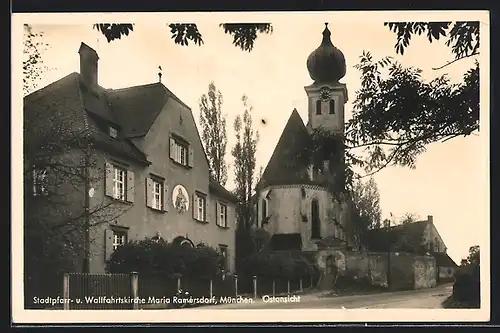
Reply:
x=219 y=190
x=80 y=110
x=285 y=166
x=380 y=239
x=136 y=108
x=444 y=260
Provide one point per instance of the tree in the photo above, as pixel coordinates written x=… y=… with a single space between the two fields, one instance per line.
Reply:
x=366 y=204
x=244 y=34
x=213 y=133
x=60 y=165
x=33 y=66
x=244 y=154
x=367 y=200
x=473 y=257
x=409 y=218
x=396 y=114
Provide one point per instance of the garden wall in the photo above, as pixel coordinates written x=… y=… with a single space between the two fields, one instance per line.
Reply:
x=405 y=271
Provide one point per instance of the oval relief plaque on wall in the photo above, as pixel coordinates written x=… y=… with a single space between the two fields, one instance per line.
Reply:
x=180 y=198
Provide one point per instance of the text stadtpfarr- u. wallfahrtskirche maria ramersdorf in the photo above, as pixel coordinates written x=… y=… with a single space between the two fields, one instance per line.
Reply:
x=162 y=300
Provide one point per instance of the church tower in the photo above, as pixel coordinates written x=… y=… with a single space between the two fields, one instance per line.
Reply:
x=327 y=96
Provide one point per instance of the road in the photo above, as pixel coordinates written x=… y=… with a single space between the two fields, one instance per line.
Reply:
x=413 y=299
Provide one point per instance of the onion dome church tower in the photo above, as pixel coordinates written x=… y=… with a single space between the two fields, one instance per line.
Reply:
x=293 y=202
x=327 y=97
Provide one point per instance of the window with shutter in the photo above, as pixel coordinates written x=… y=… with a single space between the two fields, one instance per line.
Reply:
x=165 y=197
x=119 y=182
x=157 y=195
x=149 y=192
x=190 y=159
x=180 y=152
x=199 y=207
x=130 y=190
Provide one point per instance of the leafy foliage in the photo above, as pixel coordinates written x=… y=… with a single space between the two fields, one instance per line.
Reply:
x=277 y=265
x=182 y=33
x=244 y=154
x=366 y=205
x=409 y=218
x=54 y=216
x=467 y=286
x=244 y=35
x=473 y=257
x=114 y=31
x=213 y=133
x=396 y=116
x=152 y=256
x=33 y=66
x=463 y=36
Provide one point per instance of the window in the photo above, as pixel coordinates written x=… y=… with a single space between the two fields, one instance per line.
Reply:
x=332 y=107
x=222 y=218
x=157 y=198
x=315 y=223
x=180 y=152
x=119 y=181
x=223 y=252
x=318 y=107
x=200 y=214
x=156 y=193
x=119 y=238
x=113 y=132
x=39 y=181
x=264 y=208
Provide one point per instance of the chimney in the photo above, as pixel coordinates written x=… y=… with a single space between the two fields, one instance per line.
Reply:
x=430 y=219
x=88 y=65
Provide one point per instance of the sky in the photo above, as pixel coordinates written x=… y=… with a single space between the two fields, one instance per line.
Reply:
x=449 y=180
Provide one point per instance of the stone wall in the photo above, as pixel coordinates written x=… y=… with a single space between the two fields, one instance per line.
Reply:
x=407 y=271
x=424 y=272
x=446 y=274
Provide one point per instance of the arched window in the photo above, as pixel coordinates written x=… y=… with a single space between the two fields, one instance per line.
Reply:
x=318 y=106
x=332 y=107
x=436 y=245
x=315 y=220
x=264 y=208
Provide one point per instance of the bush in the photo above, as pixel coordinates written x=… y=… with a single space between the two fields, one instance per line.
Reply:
x=151 y=256
x=466 y=289
x=277 y=266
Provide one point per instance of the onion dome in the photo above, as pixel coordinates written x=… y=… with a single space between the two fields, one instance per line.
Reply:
x=326 y=63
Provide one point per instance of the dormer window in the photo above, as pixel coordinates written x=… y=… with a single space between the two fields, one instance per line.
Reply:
x=113 y=132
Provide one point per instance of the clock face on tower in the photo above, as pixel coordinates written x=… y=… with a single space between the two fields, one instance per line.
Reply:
x=325 y=94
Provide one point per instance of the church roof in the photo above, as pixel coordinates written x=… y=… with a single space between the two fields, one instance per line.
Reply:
x=285 y=165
